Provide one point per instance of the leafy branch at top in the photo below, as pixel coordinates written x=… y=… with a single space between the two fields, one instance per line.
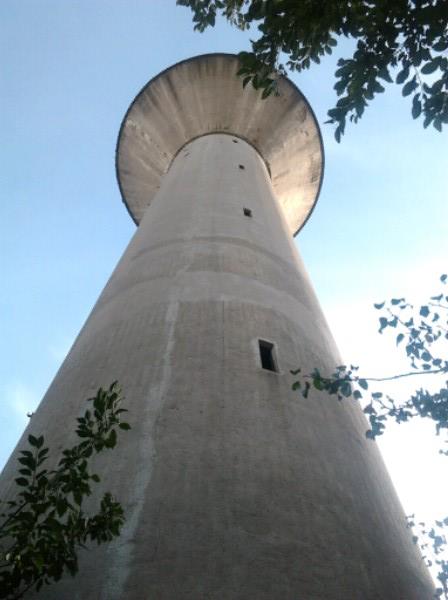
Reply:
x=44 y=525
x=408 y=36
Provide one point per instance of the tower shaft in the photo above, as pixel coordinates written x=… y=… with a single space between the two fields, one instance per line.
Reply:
x=233 y=486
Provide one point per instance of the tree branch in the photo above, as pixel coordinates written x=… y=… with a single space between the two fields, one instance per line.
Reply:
x=392 y=377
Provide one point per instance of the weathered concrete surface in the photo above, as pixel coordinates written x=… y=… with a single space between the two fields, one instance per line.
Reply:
x=234 y=487
x=203 y=95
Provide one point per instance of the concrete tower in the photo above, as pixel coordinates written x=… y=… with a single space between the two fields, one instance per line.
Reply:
x=234 y=487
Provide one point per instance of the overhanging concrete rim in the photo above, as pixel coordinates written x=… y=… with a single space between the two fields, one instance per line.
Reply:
x=217 y=55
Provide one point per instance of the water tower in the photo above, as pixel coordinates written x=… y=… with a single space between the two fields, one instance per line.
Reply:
x=234 y=487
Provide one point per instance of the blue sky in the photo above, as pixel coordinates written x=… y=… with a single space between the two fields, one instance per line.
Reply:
x=69 y=72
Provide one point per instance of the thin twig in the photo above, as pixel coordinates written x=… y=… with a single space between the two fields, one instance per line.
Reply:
x=430 y=372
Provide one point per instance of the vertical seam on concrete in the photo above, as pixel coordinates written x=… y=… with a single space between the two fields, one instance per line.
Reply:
x=223 y=334
x=120 y=567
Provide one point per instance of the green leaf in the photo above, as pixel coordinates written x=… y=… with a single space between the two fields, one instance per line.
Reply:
x=98 y=401
x=379 y=306
x=27 y=461
x=431 y=66
x=318 y=383
x=111 y=440
x=384 y=74
x=383 y=324
x=266 y=92
x=337 y=134
x=440 y=46
x=33 y=441
x=400 y=338
x=61 y=506
x=416 y=107
x=83 y=433
x=124 y=426
x=363 y=384
x=424 y=311
x=346 y=389
x=428 y=120
x=378 y=88
x=402 y=75
x=438 y=124
x=306 y=390
x=21 y=481
x=396 y=301
x=409 y=87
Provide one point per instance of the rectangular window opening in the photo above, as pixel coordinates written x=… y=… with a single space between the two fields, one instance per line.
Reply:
x=267 y=356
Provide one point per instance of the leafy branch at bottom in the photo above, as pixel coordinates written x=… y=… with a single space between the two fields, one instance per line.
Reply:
x=42 y=528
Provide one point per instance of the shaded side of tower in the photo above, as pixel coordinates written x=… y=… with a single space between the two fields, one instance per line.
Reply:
x=233 y=486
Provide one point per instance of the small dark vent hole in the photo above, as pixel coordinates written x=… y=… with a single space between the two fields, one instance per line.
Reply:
x=247 y=212
x=241 y=167
x=267 y=357
x=235 y=141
